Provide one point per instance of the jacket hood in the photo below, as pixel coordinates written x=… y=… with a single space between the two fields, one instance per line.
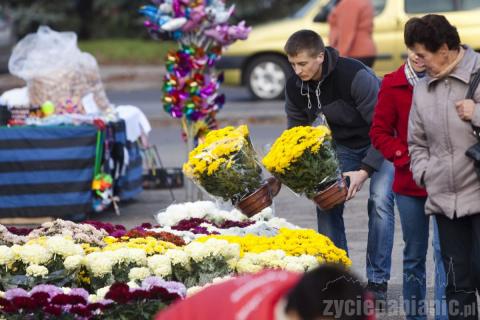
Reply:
x=330 y=62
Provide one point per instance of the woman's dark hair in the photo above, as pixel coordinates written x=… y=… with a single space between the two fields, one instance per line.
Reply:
x=329 y=291
x=304 y=40
x=432 y=31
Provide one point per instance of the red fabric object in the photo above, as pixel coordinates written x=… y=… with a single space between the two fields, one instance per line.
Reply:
x=389 y=129
x=249 y=297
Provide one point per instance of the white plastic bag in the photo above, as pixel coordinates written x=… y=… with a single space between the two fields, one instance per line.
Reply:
x=55 y=69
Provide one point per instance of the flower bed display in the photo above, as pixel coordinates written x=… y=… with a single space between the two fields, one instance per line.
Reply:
x=204 y=244
x=119 y=301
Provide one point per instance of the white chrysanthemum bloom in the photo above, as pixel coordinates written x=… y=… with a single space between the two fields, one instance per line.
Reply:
x=161 y=265
x=93 y=298
x=309 y=261
x=102 y=292
x=217 y=247
x=279 y=223
x=178 y=257
x=231 y=251
x=251 y=257
x=232 y=263
x=214 y=246
x=63 y=246
x=210 y=228
x=99 y=263
x=264 y=215
x=222 y=215
x=276 y=264
x=246 y=265
x=294 y=267
x=267 y=257
x=66 y=290
x=163 y=271
x=199 y=209
x=2 y=294
x=177 y=212
x=35 y=270
x=193 y=290
x=133 y=284
x=33 y=254
x=196 y=251
x=73 y=262
x=130 y=255
x=7 y=255
x=138 y=273
x=221 y=279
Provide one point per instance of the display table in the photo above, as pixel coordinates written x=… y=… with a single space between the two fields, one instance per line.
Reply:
x=48 y=171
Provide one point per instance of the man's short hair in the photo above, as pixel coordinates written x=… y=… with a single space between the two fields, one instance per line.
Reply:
x=304 y=40
x=432 y=31
x=329 y=291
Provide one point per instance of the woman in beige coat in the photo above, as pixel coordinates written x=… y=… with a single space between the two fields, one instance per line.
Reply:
x=439 y=133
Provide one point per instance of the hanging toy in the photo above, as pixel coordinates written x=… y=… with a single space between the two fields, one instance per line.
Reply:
x=102 y=187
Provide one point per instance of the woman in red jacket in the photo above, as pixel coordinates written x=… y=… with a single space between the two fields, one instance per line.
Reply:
x=389 y=136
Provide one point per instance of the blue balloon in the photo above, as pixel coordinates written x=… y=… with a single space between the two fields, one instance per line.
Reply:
x=177 y=34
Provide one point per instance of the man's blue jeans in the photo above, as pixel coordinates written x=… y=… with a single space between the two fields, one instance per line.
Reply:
x=381 y=215
x=415 y=225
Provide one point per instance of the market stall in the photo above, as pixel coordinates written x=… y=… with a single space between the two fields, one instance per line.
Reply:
x=65 y=149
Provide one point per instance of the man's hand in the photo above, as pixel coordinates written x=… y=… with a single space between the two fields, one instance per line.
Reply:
x=357 y=179
x=465 y=109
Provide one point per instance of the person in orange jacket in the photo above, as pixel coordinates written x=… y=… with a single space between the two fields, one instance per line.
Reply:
x=326 y=292
x=351 y=30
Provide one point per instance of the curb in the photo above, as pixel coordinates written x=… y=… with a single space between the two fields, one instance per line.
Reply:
x=224 y=121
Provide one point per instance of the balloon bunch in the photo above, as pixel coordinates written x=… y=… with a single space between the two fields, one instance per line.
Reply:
x=188 y=90
x=200 y=27
x=193 y=21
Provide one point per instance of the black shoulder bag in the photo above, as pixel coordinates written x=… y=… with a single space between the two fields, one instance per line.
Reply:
x=474 y=151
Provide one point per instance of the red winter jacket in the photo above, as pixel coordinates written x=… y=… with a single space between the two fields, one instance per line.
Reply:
x=389 y=129
x=249 y=297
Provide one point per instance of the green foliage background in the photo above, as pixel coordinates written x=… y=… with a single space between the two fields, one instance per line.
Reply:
x=120 y=18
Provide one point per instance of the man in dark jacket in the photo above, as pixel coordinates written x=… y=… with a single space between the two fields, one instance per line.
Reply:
x=343 y=92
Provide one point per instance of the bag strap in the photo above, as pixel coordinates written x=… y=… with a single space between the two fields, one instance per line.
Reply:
x=474 y=81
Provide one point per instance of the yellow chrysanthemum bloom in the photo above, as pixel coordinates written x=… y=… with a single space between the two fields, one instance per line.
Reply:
x=291 y=145
x=149 y=244
x=215 y=150
x=293 y=242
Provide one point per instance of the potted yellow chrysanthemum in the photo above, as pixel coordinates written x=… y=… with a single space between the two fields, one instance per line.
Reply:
x=225 y=165
x=303 y=158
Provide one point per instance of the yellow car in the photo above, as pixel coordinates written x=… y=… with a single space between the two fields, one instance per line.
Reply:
x=260 y=64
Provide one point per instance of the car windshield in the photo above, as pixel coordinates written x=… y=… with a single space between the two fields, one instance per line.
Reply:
x=303 y=10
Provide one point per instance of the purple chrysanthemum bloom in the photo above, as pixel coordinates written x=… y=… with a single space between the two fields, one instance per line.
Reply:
x=51 y=290
x=79 y=292
x=106 y=302
x=118 y=233
x=171 y=286
x=15 y=292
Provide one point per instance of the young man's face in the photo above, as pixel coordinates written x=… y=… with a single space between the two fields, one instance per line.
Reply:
x=306 y=66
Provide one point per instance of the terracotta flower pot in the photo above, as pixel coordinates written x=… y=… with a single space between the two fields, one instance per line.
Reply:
x=332 y=196
x=260 y=198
